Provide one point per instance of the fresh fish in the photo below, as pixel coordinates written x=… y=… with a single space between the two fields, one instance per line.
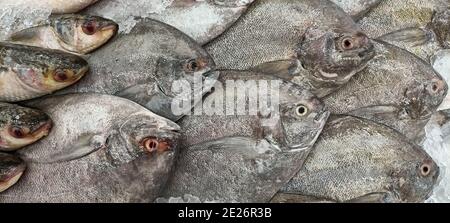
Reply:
x=144 y=64
x=441 y=63
x=201 y=20
x=357 y=9
x=397 y=89
x=71 y=33
x=11 y=169
x=56 y=6
x=314 y=43
x=20 y=126
x=245 y=156
x=426 y=40
x=357 y=160
x=102 y=149
x=392 y=15
x=28 y=72
x=419 y=26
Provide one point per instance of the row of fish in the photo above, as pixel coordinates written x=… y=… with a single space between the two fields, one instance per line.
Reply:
x=352 y=109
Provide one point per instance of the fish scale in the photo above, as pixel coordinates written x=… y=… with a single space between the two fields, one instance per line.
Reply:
x=355 y=158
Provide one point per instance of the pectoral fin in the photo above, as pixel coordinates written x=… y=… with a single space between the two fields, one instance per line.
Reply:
x=82 y=147
x=297 y=198
x=246 y=146
x=285 y=69
x=408 y=37
x=24 y=35
x=151 y=97
x=380 y=112
x=373 y=198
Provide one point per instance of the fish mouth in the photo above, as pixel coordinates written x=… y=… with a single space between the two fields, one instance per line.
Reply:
x=81 y=73
x=43 y=129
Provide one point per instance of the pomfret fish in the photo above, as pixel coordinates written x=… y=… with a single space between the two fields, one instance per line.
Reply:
x=102 y=149
x=11 y=169
x=357 y=160
x=425 y=39
x=229 y=157
x=144 y=65
x=71 y=33
x=392 y=15
x=20 y=126
x=28 y=72
x=56 y=6
x=322 y=53
x=397 y=89
x=201 y=20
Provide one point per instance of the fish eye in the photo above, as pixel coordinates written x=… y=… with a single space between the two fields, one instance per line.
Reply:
x=60 y=76
x=152 y=144
x=301 y=110
x=193 y=65
x=425 y=170
x=18 y=132
x=347 y=43
x=89 y=27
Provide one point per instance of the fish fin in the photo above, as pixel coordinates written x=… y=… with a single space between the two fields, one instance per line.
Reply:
x=244 y=145
x=82 y=147
x=379 y=111
x=373 y=198
x=410 y=36
x=284 y=69
x=151 y=97
x=297 y=198
x=24 y=35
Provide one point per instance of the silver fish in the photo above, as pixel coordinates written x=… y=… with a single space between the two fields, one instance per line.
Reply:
x=71 y=33
x=229 y=157
x=426 y=39
x=102 y=149
x=419 y=26
x=392 y=15
x=20 y=126
x=322 y=53
x=357 y=160
x=357 y=9
x=11 y=169
x=144 y=64
x=397 y=89
x=55 y=6
x=201 y=20
x=28 y=72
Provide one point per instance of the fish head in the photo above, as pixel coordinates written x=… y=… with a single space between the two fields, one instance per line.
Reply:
x=422 y=99
x=144 y=135
x=302 y=117
x=22 y=126
x=231 y=3
x=83 y=33
x=50 y=70
x=11 y=169
x=416 y=179
x=190 y=71
x=440 y=24
x=335 y=55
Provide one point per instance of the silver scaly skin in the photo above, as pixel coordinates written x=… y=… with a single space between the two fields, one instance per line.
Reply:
x=246 y=158
x=102 y=149
x=356 y=160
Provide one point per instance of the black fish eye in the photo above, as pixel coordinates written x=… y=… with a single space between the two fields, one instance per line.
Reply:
x=347 y=43
x=301 y=110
